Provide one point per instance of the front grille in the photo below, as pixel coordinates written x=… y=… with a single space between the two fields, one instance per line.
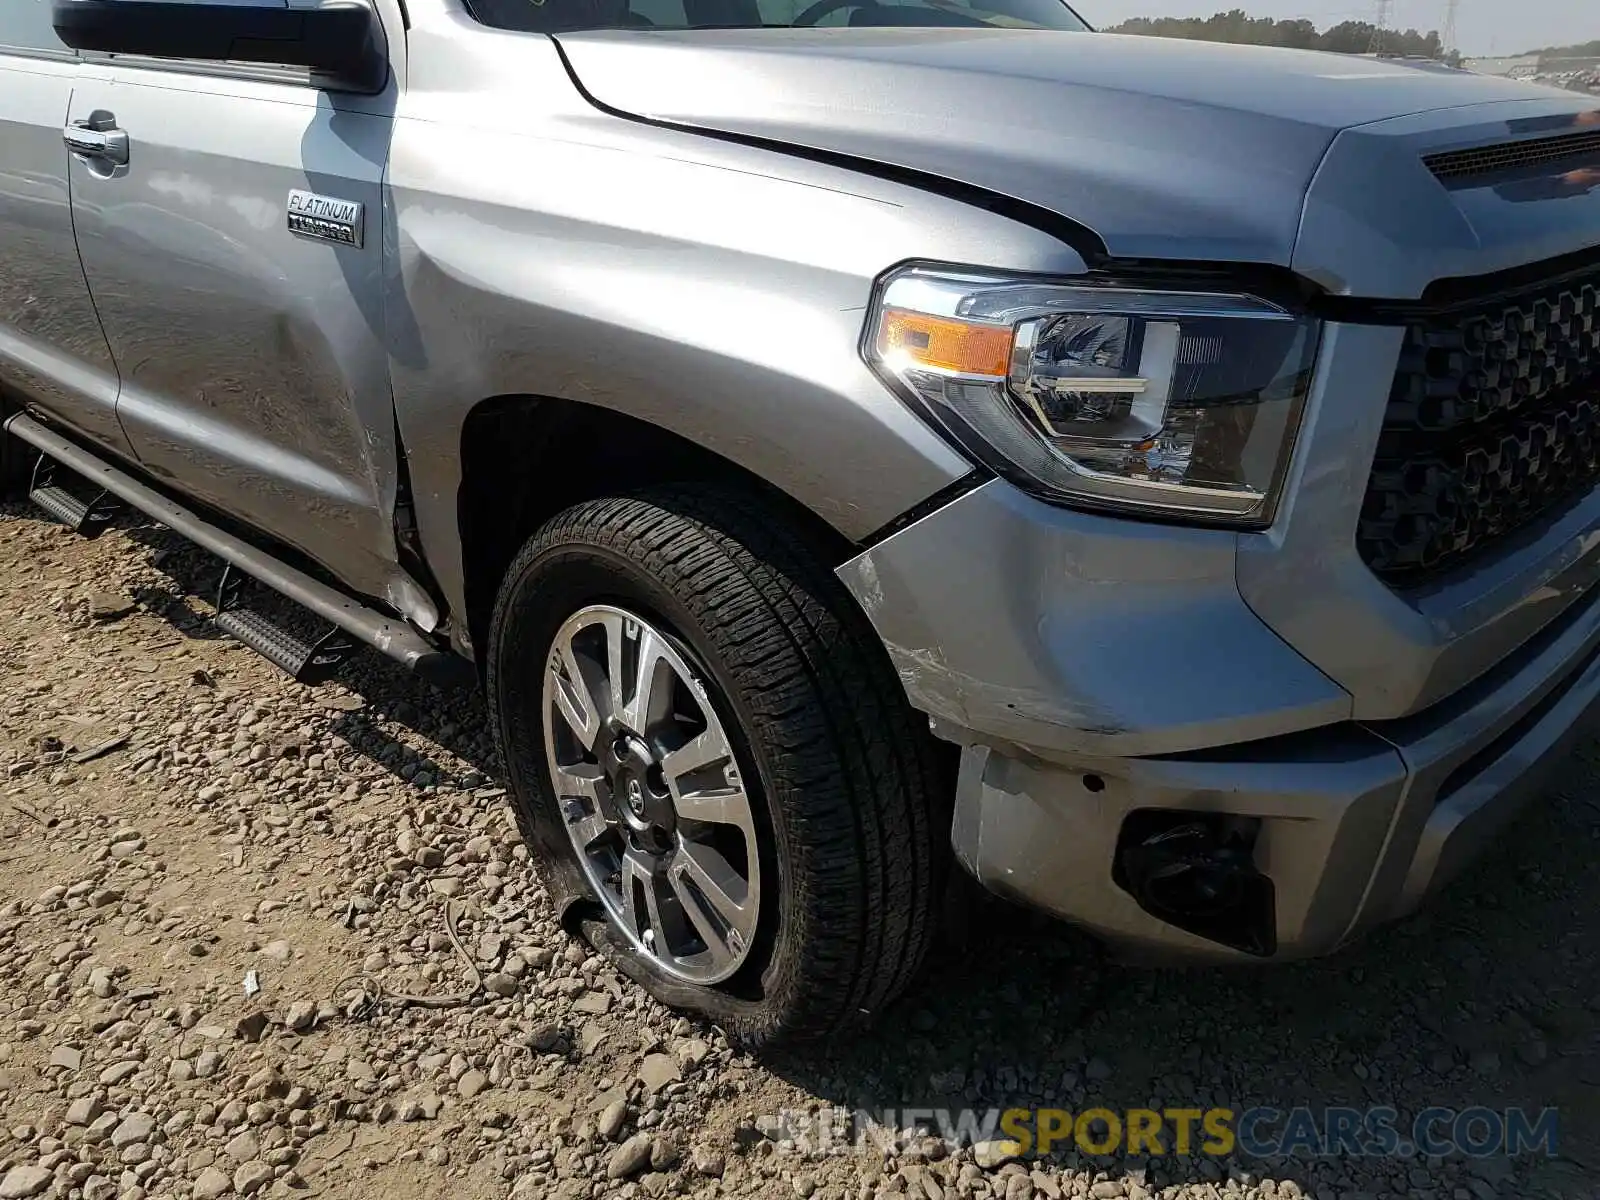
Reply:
x=1455 y=165
x=1493 y=422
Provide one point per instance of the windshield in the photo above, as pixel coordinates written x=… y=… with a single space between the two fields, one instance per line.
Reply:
x=566 y=16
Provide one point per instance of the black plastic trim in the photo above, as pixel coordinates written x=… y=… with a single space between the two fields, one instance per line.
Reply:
x=951 y=492
x=1296 y=294
x=342 y=41
x=1457 y=294
x=1486 y=756
x=1277 y=285
x=1457 y=167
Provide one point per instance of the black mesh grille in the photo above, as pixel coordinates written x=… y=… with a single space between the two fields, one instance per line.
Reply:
x=1493 y=422
x=1509 y=156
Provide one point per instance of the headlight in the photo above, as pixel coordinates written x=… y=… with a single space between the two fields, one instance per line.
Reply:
x=1163 y=403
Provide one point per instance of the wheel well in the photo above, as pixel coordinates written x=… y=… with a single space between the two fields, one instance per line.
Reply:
x=525 y=458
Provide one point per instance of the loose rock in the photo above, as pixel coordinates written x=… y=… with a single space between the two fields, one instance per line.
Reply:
x=243 y=1147
x=992 y=1154
x=300 y=1016
x=251 y=1178
x=137 y=1127
x=657 y=1071
x=25 y=1181
x=633 y=1156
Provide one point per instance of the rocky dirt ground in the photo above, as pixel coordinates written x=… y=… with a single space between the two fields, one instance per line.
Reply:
x=200 y=862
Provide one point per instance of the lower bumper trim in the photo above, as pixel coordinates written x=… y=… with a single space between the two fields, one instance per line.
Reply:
x=1470 y=814
x=1358 y=824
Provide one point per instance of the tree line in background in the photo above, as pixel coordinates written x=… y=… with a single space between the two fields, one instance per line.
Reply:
x=1348 y=37
x=1583 y=50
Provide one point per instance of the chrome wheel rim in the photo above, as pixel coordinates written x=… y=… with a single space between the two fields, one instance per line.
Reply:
x=651 y=793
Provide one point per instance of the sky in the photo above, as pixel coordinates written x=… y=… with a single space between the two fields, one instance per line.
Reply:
x=1484 y=26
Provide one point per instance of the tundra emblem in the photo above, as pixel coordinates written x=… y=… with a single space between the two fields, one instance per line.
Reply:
x=326 y=218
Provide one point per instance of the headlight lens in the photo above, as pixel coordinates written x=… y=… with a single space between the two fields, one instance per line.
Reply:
x=1165 y=403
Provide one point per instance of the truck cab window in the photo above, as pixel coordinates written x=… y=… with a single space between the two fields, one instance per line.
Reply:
x=567 y=16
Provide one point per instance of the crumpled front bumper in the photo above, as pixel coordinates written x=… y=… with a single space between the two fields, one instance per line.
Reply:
x=1094 y=668
x=1073 y=633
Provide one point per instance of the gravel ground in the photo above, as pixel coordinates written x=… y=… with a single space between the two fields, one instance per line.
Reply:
x=180 y=825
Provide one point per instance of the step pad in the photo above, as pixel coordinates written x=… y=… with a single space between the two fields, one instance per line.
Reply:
x=89 y=518
x=309 y=662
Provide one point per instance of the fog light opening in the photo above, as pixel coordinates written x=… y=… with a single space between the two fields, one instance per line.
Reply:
x=1197 y=871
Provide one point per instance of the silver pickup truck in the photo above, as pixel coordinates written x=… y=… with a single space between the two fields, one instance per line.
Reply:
x=848 y=440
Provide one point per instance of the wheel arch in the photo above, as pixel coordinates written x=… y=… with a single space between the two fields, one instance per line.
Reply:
x=524 y=458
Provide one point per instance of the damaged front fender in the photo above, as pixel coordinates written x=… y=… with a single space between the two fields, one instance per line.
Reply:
x=1074 y=633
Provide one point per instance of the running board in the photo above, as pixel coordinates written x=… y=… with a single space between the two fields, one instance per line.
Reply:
x=88 y=517
x=308 y=662
x=388 y=635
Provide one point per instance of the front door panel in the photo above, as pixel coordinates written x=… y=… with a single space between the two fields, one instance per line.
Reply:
x=249 y=335
x=52 y=353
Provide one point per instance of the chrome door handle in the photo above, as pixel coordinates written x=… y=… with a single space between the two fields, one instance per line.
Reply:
x=107 y=145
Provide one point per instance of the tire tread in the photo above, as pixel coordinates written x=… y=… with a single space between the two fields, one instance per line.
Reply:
x=858 y=783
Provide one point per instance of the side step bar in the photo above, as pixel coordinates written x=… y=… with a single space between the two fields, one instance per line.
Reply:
x=307 y=662
x=388 y=635
x=86 y=517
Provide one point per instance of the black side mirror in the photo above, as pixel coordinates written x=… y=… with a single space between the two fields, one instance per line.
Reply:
x=341 y=41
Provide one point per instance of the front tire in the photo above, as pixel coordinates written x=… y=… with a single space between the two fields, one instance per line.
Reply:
x=754 y=831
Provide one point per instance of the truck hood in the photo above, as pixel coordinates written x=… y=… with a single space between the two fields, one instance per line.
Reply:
x=1163 y=149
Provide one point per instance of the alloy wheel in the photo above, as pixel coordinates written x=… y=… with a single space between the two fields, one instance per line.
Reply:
x=651 y=793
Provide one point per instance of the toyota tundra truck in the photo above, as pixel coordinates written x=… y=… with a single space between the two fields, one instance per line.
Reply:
x=849 y=442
